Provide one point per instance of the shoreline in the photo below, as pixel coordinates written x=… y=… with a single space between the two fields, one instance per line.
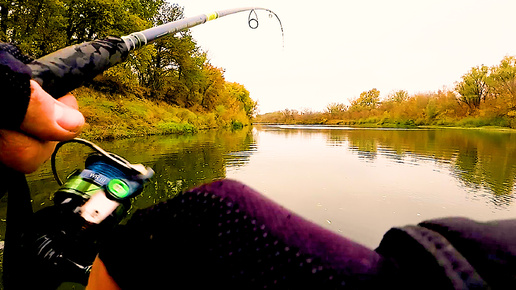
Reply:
x=391 y=126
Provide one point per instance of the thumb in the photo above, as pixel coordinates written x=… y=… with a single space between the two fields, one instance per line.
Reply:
x=67 y=115
x=50 y=119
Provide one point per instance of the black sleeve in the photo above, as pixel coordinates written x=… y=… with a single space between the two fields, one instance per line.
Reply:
x=490 y=247
x=457 y=252
x=15 y=78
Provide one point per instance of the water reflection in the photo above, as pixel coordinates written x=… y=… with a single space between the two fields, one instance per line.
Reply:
x=359 y=182
x=180 y=162
x=240 y=158
x=480 y=160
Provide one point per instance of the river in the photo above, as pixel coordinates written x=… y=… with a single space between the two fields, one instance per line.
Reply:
x=356 y=182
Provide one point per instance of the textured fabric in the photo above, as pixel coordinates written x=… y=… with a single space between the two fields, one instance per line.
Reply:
x=226 y=234
x=427 y=260
x=15 y=82
x=489 y=247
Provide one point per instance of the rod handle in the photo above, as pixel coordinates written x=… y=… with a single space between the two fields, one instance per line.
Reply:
x=62 y=71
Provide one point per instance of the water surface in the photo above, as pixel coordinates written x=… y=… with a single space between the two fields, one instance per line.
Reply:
x=361 y=182
x=356 y=182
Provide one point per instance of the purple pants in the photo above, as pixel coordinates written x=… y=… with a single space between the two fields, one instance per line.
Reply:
x=225 y=234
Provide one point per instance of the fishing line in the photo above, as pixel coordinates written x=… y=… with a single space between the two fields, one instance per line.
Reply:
x=252 y=21
x=68 y=68
x=121 y=162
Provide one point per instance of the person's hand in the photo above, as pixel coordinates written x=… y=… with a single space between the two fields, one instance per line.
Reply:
x=47 y=120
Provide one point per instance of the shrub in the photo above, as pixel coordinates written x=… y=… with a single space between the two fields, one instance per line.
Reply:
x=175 y=128
x=236 y=125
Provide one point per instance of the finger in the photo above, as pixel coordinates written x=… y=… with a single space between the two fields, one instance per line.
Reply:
x=49 y=119
x=23 y=153
x=70 y=101
x=68 y=119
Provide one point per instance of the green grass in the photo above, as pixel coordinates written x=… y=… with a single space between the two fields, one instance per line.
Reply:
x=114 y=116
x=493 y=123
x=167 y=127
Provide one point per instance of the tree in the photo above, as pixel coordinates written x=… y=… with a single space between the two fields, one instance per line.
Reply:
x=242 y=96
x=289 y=116
x=41 y=27
x=367 y=100
x=171 y=67
x=212 y=86
x=398 y=96
x=474 y=87
x=335 y=108
x=35 y=26
x=503 y=78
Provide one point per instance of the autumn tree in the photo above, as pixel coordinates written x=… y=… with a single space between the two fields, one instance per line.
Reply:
x=211 y=87
x=242 y=95
x=474 y=87
x=502 y=80
x=289 y=116
x=367 y=100
x=335 y=108
x=398 y=96
x=172 y=69
x=503 y=77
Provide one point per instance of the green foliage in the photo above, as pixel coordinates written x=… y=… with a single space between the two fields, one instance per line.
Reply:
x=482 y=122
x=502 y=78
x=474 y=87
x=236 y=125
x=41 y=27
x=169 y=127
x=111 y=116
x=398 y=96
x=172 y=72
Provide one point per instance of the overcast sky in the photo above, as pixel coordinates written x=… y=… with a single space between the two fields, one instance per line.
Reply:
x=335 y=49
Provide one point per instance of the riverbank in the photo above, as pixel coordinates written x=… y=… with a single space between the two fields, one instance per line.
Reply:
x=489 y=128
x=113 y=116
x=467 y=122
x=442 y=108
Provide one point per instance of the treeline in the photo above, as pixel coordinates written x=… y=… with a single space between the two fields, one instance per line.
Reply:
x=173 y=70
x=485 y=96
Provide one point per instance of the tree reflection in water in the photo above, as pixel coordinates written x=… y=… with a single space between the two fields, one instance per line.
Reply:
x=479 y=159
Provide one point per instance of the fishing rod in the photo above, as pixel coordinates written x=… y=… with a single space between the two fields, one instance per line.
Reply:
x=66 y=69
x=59 y=73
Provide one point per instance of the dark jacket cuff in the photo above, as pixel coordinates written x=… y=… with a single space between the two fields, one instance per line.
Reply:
x=15 y=78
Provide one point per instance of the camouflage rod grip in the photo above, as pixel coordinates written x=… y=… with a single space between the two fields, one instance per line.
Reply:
x=66 y=69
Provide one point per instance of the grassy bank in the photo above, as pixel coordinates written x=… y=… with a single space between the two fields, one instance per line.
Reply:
x=468 y=122
x=111 y=116
x=480 y=124
x=487 y=128
x=385 y=120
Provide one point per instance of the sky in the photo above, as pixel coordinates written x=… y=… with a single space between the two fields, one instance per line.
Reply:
x=333 y=50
